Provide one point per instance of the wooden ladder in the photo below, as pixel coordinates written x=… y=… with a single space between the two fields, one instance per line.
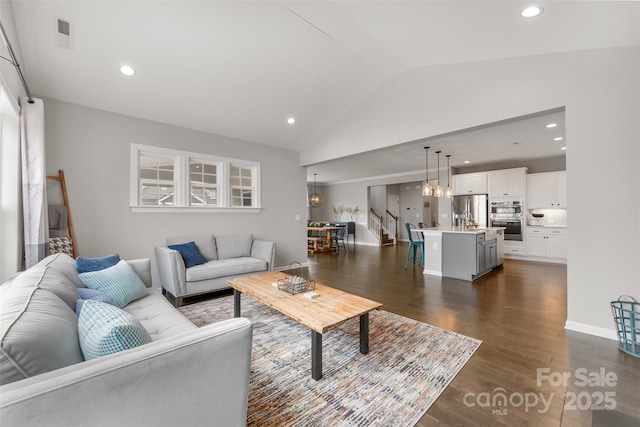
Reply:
x=65 y=200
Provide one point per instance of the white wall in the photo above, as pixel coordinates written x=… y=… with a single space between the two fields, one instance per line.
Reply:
x=92 y=147
x=600 y=90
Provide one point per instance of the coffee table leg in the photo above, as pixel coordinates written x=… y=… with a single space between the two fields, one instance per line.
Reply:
x=236 y=303
x=316 y=355
x=364 y=333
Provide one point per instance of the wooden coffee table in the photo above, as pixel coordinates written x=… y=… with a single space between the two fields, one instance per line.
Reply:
x=330 y=308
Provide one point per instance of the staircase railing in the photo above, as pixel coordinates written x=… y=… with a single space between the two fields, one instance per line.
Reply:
x=395 y=222
x=375 y=224
x=378 y=230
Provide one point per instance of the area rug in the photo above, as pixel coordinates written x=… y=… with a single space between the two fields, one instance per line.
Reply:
x=409 y=365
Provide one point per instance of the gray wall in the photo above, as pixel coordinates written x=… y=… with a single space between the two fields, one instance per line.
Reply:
x=378 y=199
x=547 y=164
x=412 y=207
x=92 y=147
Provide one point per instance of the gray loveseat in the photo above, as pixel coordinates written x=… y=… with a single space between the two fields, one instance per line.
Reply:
x=226 y=257
x=184 y=376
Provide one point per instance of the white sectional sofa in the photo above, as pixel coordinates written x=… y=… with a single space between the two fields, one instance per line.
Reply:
x=225 y=257
x=184 y=376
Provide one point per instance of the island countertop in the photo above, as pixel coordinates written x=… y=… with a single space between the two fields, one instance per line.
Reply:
x=436 y=231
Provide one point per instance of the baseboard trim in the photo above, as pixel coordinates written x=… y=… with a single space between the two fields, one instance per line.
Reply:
x=432 y=272
x=286 y=267
x=591 y=330
x=535 y=259
x=367 y=244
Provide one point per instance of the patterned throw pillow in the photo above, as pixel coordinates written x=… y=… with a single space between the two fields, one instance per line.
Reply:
x=105 y=329
x=61 y=245
x=120 y=282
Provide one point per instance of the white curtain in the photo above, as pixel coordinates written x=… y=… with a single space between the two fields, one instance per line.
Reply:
x=34 y=181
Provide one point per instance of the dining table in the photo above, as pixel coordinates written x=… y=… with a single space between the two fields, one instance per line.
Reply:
x=319 y=239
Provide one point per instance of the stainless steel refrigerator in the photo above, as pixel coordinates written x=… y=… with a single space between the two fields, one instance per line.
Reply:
x=475 y=207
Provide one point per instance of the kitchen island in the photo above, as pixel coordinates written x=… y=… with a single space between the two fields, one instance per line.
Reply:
x=464 y=254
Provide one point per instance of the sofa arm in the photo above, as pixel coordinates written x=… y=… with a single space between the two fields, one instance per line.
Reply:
x=197 y=378
x=264 y=250
x=171 y=270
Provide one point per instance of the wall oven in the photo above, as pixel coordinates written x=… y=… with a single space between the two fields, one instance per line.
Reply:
x=507 y=214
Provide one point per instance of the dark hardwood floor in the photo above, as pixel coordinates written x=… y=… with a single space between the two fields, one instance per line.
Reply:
x=518 y=311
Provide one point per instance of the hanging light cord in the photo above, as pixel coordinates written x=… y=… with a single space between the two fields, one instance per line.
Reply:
x=438 y=152
x=426 y=165
x=14 y=62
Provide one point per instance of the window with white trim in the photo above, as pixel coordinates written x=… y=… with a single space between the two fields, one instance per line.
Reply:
x=241 y=184
x=203 y=183
x=164 y=178
x=156 y=183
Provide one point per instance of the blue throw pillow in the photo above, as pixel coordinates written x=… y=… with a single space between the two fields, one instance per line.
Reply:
x=87 y=293
x=104 y=329
x=120 y=282
x=190 y=254
x=85 y=265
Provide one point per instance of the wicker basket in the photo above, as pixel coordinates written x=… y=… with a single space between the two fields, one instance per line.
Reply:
x=295 y=284
x=627 y=317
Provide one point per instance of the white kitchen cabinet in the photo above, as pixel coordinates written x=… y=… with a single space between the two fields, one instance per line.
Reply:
x=507 y=183
x=470 y=183
x=547 y=190
x=546 y=242
x=514 y=248
x=557 y=246
x=536 y=245
x=561 y=189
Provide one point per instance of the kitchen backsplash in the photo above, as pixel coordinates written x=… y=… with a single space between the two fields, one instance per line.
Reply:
x=551 y=218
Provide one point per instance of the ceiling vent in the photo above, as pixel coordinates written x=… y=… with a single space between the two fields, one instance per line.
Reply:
x=64 y=34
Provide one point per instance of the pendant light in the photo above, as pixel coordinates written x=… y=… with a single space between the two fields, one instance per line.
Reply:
x=315 y=199
x=439 y=192
x=426 y=187
x=449 y=193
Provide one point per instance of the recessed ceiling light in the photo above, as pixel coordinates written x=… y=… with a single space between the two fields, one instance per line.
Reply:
x=291 y=120
x=466 y=162
x=127 y=70
x=552 y=125
x=531 y=11
x=563 y=148
x=558 y=138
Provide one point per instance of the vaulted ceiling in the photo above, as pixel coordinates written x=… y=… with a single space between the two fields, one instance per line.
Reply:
x=242 y=68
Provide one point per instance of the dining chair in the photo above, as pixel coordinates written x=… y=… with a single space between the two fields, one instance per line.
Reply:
x=416 y=241
x=337 y=238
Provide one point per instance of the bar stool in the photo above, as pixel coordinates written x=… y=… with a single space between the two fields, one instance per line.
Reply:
x=416 y=242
